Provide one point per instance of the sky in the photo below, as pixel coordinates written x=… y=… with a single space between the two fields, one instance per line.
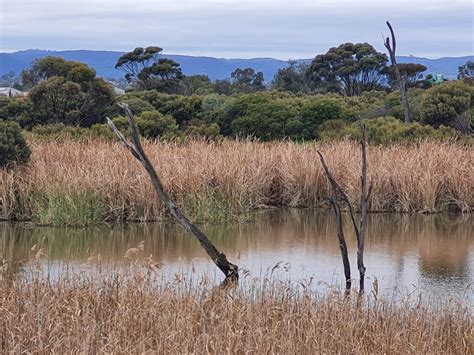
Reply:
x=238 y=28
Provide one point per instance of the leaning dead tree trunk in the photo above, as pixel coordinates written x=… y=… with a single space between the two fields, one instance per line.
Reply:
x=337 y=194
x=230 y=270
x=401 y=83
x=333 y=199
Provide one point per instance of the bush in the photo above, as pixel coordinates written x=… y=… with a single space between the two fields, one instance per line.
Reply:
x=387 y=130
x=182 y=108
x=102 y=131
x=153 y=124
x=137 y=105
x=18 y=109
x=13 y=147
x=59 y=131
x=369 y=104
x=259 y=115
x=395 y=106
x=332 y=129
x=199 y=129
x=445 y=103
x=317 y=111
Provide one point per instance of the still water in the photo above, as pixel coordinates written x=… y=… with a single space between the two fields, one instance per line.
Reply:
x=427 y=255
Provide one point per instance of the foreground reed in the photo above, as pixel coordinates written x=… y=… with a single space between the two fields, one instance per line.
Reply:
x=89 y=182
x=130 y=315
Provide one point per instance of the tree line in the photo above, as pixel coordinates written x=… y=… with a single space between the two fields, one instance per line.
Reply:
x=305 y=101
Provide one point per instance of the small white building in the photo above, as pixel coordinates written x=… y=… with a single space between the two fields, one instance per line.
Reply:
x=11 y=92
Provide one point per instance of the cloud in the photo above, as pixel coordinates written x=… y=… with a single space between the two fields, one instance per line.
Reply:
x=229 y=28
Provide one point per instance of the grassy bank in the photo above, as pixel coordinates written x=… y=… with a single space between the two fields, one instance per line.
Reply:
x=89 y=182
x=128 y=315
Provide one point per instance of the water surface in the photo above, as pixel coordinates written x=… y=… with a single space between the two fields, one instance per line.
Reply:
x=431 y=255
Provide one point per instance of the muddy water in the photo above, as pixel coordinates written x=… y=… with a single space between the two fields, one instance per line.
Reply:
x=428 y=255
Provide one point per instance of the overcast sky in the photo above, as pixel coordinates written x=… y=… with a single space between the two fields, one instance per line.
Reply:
x=238 y=28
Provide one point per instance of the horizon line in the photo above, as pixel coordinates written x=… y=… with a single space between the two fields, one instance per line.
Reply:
x=13 y=51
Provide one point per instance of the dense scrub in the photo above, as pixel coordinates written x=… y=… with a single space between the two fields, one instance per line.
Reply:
x=270 y=115
x=94 y=181
x=13 y=147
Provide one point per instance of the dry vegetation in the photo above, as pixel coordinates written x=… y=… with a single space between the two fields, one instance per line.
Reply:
x=130 y=315
x=87 y=182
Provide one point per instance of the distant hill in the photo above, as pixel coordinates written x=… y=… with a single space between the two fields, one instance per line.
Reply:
x=216 y=68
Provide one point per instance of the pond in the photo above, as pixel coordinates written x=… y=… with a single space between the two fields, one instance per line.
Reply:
x=427 y=255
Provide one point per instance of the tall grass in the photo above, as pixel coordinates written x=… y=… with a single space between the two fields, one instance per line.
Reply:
x=64 y=179
x=132 y=315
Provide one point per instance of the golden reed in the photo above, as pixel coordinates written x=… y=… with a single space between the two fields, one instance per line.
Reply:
x=131 y=315
x=237 y=176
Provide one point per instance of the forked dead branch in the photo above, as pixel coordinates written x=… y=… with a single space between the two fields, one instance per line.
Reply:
x=337 y=194
x=391 y=48
x=230 y=270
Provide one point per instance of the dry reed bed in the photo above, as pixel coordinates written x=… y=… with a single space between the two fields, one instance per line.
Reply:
x=128 y=315
x=230 y=176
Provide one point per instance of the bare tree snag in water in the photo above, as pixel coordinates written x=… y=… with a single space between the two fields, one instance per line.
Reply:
x=365 y=192
x=230 y=270
x=338 y=193
x=338 y=216
x=401 y=83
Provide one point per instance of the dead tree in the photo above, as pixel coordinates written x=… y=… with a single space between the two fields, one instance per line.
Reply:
x=333 y=200
x=230 y=270
x=337 y=194
x=401 y=83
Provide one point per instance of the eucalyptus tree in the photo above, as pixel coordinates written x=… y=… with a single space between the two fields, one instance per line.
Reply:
x=67 y=91
x=292 y=78
x=349 y=69
x=146 y=70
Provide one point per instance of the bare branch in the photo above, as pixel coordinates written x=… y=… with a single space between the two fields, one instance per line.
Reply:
x=338 y=190
x=230 y=270
x=394 y=43
x=364 y=195
x=339 y=227
x=365 y=192
x=122 y=138
x=401 y=83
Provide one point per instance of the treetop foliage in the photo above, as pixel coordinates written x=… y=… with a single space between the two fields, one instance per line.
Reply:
x=348 y=69
x=304 y=101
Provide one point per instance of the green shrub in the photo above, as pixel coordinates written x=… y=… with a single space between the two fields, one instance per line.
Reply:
x=387 y=130
x=182 y=108
x=314 y=112
x=59 y=132
x=13 y=147
x=198 y=129
x=259 y=115
x=332 y=129
x=443 y=104
x=102 y=131
x=18 y=109
x=121 y=123
x=153 y=124
x=366 y=105
x=137 y=105
x=395 y=106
